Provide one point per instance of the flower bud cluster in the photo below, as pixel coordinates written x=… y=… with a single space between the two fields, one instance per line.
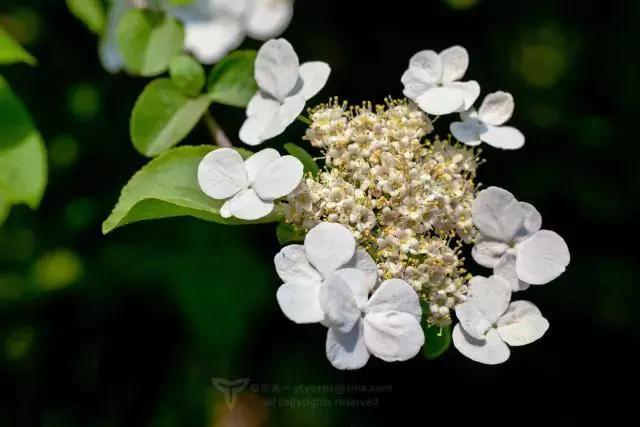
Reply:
x=407 y=199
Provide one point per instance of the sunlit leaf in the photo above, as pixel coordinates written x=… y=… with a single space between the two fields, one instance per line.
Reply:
x=231 y=81
x=163 y=116
x=168 y=187
x=89 y=12
x=148 y=40
x=11 y=52
x=304 y=156
x=187 y=74
x=23 y=167
x=288 y=233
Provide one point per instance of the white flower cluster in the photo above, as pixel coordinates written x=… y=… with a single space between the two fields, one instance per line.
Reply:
x=387 y=217
x=404 y=198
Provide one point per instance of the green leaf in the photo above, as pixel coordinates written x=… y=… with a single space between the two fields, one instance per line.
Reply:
x=180 y=2
x=436 y=340
x=187 y=74
x=148 y=40
x=11 y=52
x=288 y=233
x=163 y=116
x=89 y=12
x=168 y=187
x=23 y=159
x=231 y=81
x=303 y=155
x=5 y=207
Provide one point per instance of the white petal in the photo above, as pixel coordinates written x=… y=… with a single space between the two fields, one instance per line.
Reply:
x=490 y=351
x=221 y=173
x=252 y=130
x=362 y=261
x=497 y=214
x=532 y=221
x=496 y=108
x=416 y=82
x=300 y=303
x=109 y=52
x=262 y=104
x=329 y=246
x=541 y=258
x=347 y=351
x=293 y=266
x=358 y=283
x=470 y=92
x=441 y=100
x=429 y=64
x=506 y=269
x=314 y=76
x=455 y=61
x=490 y=295
x=467 y=132
x=259 y=162
x=225 y=212
x=505 y=137
x=247 y=205
x=268 y=18
x=471 y=113
x=472 y=320
x=488 y=252
x=522 y=324
x=287 y=113
x=395 y=295
x=211 y=40
x=277 y=68
x=393 y=335
x=338 y=301
x=279 y=178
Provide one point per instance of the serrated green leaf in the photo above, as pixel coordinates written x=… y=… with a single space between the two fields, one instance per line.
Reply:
x=288 y=233
x=168 y=187
x=232 y=80
x=187 y=74
x=148 y=40
x=23 y=158
x=89 y=12
x=163 y=116
x=11 y=52
x=436 y=339
x=303 y=155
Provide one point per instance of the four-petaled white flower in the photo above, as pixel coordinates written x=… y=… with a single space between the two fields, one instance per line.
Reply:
x=213 y=28
x=248 y=186
x=432 y=81
x=329 y=280
x=488 y=322
x=511 y=242
x=486 y=124
x=285 y=86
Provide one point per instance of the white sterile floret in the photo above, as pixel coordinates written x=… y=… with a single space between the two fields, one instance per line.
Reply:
x=248 y=186
x=386 y=325
x=328 y=247
x=215 y=27
x=486 y=124
x=432 y=81
x=285 y=86
x=510 y=240
x=488 y=322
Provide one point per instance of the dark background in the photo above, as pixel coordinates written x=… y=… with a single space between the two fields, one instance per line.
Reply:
x=130 y=328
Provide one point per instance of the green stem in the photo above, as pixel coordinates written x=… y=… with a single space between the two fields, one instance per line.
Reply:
x=305 y=120
x=216 y=131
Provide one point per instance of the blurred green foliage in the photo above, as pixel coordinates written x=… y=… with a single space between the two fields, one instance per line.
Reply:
x=129 y=329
